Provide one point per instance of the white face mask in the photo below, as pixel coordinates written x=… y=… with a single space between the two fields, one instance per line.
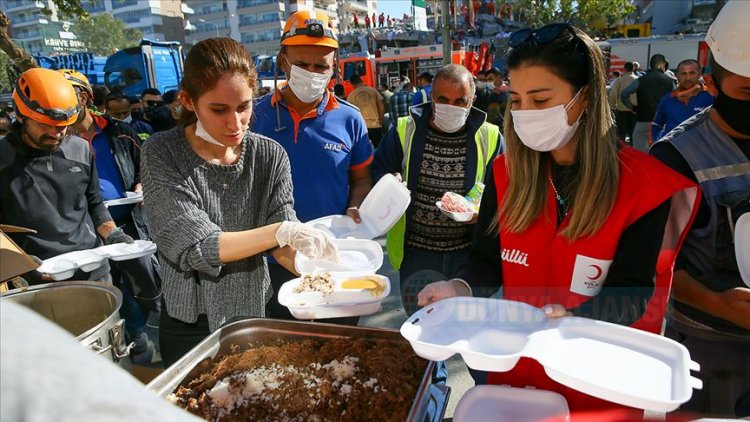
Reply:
x=128 y=119
x=200 y=132
x=548 y=129
x=485 y=85
x=308 y=86
x=450 y=118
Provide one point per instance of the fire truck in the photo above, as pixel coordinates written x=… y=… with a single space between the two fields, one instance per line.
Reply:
x=388 y=65
x=675 y=48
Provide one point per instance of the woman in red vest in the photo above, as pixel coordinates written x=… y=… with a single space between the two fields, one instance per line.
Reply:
x=571 y=221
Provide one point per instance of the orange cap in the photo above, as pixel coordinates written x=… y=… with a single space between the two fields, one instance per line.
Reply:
x=47 y=97
x=309 y=28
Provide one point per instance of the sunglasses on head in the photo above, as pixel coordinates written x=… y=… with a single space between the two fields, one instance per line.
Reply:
x=154 y=103
x=543 y=35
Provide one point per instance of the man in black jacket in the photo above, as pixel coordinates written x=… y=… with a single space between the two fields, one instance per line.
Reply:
x=649 y=89
x=48 y=180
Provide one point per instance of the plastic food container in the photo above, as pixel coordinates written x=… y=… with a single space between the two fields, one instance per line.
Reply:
x=608 y=361
x=342 y=302
x=381 y=210
x=509 y=404
x=126 y=251
x=130 y=198
x=742 y=246
x=357 y=255
x=62 y=267
x=461 y=217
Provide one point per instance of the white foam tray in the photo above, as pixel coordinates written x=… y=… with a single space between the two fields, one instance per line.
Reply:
x=742 y=246
x=340 y=303
x=354 y=255
x=461 y=217
x=612 y=362
x=509 y=404
x=381 y=210
x=130 y=198
x=62 y=267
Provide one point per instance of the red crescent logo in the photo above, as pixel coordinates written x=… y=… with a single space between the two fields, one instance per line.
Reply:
x=598 y=270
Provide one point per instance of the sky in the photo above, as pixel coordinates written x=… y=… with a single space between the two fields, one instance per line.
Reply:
x=395 y=8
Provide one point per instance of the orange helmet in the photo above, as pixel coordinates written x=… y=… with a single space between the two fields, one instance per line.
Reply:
x=45 y=96
x=309 y=28
x=78 y=80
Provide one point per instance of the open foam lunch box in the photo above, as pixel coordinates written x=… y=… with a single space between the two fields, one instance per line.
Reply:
x=612 y=362
x=381 y=210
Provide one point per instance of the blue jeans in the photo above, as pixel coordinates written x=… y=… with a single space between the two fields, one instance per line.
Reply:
x=421 y=267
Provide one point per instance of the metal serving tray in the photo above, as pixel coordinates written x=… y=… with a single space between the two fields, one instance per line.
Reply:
x=429 y=404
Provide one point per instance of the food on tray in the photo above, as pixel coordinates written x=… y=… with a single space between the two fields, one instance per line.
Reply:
x=371 y=283
x=317 y=282
x=453 y=202
x=338 y=380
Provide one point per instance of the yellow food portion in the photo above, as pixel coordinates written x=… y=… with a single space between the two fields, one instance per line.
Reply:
x=366 y=283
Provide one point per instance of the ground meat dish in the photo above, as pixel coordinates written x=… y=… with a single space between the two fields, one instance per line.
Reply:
x=308 y=380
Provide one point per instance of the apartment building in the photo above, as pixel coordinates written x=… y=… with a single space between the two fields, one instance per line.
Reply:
x=39 y=33
x=258 y=23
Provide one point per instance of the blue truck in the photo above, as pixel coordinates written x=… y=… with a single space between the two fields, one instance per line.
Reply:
x=152 y=64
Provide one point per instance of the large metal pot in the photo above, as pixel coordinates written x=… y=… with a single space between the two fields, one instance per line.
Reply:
x=88 y=310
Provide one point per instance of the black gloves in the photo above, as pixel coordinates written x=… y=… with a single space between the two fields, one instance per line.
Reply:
x=117 y=236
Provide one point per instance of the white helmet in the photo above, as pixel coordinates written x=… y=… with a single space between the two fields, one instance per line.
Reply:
x=728 y=37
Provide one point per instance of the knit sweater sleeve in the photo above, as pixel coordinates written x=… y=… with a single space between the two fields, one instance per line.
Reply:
x=184 y=232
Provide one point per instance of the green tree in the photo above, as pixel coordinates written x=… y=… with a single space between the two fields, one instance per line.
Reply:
x=4 y=63
x=104 y=35
x=587 y=14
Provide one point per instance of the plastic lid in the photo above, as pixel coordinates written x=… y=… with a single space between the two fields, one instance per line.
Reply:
x=742 y=246
x=612 y=362
x=384 y=205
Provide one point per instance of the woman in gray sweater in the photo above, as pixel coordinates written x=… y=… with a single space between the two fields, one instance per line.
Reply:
x=218 y=197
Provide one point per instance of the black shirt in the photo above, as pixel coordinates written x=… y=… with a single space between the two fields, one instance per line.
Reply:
x=630 y=281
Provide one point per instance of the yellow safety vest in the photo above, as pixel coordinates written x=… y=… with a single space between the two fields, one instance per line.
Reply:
x=486 y=139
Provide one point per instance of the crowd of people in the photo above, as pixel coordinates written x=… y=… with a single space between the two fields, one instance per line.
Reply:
x=648 y=105
x=230 y=177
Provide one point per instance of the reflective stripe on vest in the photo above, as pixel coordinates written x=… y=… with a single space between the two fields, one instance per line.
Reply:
x=486 y=140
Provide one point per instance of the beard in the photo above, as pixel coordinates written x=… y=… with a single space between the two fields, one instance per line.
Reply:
x=45 y=143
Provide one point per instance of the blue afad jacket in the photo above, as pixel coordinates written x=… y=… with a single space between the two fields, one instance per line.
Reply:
x=400 y=151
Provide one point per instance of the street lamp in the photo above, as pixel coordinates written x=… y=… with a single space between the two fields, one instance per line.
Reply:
x=211 y=23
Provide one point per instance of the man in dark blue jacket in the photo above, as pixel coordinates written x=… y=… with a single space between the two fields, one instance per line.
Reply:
x=448 y=145
x=117 y=154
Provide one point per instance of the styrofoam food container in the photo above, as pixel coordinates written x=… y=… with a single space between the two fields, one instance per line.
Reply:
x=509 y=404
x=461 y=217
x=130 y=198
x=58 y=269
x=612 y=362
x=62 y=267
x=359 y=255
x=742 y=246
x=381 y=210
x=126 y=251
x=340 y=303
